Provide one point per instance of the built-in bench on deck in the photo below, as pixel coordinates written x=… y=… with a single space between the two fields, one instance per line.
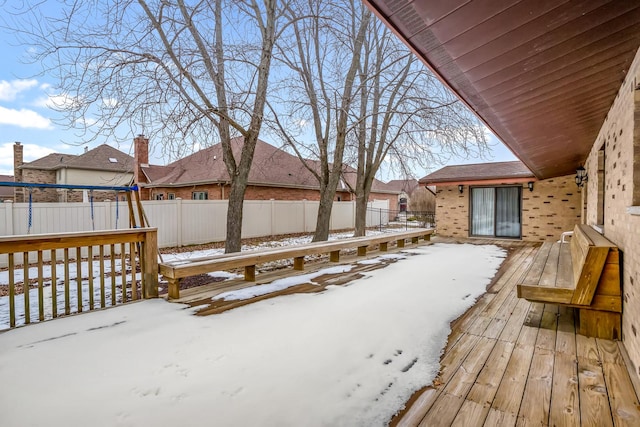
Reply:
x=584 y=274
x=177 y=270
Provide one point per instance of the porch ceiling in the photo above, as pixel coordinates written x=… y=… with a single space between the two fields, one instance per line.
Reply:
x=542 y=74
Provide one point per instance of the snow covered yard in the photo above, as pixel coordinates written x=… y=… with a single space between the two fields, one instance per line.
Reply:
x=348 y=356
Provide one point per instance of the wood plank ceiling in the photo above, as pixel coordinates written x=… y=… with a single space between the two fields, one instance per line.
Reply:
x=542 y=74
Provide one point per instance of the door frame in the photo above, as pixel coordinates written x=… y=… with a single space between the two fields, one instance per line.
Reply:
x=495 y=212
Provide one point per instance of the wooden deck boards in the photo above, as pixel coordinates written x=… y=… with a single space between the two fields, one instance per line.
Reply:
x=509 y=362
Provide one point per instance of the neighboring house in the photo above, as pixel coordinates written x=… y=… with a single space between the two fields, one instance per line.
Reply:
x=424 y=197
x=560 y=86
x=6 y=193
x=104 y=165
x=275 y=174
x=503 y=200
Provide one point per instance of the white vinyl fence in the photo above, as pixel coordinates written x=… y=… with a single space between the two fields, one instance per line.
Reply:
x=182 y=222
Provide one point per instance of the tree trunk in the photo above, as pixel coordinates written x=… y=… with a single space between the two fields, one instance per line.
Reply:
x=323 y=222
x=361 y=216
x=234 y=216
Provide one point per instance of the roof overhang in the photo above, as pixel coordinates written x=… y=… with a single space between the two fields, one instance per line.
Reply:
x=542 y=75
x=494 y=181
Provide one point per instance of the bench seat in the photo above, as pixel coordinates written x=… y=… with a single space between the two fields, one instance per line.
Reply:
x=174 y=271
x=584 y=274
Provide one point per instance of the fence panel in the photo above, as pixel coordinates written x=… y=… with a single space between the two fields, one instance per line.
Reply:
x=257 y=218
x=180 y=222
x=342 y=215
x=288 y=217
x=163 y=214
x=203 y=221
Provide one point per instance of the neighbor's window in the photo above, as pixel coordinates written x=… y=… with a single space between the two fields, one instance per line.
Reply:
x=200 y=195
x=171 y=196
x=160 y=196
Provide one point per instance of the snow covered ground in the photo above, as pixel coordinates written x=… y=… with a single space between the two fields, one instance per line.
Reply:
x=85 y=297
x=348 y=356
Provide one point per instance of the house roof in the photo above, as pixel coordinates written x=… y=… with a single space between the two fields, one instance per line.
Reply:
x=406 y=185
x=479 y=172
x=6 y=191
x=541 y=74
x=51 y=161
x=104 y=157
x=270 y=166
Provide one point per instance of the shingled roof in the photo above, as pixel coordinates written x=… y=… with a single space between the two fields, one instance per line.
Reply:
x=51 y=161
x=271 y=166
x=104 y=158
x=479 y=172
x=406 y=185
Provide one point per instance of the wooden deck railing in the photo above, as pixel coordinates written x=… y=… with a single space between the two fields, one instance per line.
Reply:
x=106 y=256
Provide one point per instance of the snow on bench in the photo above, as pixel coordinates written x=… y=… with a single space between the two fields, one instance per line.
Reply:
x=175 y=271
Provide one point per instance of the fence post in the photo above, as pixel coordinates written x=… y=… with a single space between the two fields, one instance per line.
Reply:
x=178 y=223
x=107 y=215
x=8 y=206
x=304 y=215
x=273 y=216
x=353 y=215
x=150 y=263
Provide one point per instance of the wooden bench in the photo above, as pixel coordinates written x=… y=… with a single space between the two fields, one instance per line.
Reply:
x=175 y=271
x=584 y=274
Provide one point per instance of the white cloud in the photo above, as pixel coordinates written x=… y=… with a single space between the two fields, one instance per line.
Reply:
x=110 y=102
x=84 y=122
x=23 y=118
x=9 y=90
x=31 y=152
x=61 y=101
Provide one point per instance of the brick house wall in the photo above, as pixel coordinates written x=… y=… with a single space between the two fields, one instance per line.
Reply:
x=551 y=208
x=613 y=197
x=254 y=192
x=452 y=211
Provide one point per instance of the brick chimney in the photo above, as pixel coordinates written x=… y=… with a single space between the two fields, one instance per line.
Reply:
x=18 y=161
x=141 y=156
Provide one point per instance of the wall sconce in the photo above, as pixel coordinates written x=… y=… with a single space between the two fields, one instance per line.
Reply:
x=530 y=185
x=460 y=188
x=581 y=176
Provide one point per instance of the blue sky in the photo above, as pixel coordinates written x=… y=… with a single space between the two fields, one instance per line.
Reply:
x=26 y=117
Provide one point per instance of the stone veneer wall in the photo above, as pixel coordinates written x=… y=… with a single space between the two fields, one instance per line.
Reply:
x=38 y=194
x=620 y=136
x=551 y=208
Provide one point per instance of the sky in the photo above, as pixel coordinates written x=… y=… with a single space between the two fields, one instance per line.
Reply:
x=26 y=116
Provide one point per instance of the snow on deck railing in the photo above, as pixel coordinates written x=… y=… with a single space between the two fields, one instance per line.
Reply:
x=117 y=266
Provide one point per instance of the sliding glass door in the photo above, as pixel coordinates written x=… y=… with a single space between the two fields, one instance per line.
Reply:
x=495 y=211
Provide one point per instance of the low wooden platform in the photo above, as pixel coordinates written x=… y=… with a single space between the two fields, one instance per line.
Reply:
x=511 y=362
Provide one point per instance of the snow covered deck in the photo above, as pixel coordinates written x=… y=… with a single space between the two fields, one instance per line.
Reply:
x=511 y=362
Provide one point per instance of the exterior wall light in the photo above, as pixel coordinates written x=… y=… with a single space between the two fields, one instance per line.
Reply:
x=530 y=185
x=460 y=188
x=581 y=176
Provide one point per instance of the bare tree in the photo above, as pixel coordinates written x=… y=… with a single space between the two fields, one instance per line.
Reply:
x=176 y=71
x=403 y=116
x=322 y=55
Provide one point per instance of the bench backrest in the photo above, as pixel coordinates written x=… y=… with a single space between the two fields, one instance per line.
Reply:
x=589 y=251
